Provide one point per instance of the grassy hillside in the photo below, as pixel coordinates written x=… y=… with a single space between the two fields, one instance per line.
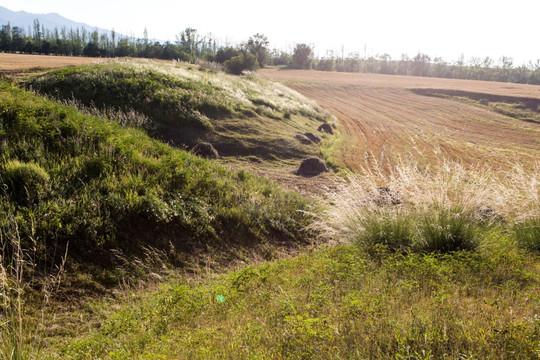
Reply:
x=241 y=116
x=87 y=181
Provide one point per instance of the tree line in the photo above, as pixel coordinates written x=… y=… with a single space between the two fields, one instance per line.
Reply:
x=422 y=65
x=191 y=46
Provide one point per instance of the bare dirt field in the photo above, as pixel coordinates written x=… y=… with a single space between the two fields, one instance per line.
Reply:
x=382 y=121
x=12 y=63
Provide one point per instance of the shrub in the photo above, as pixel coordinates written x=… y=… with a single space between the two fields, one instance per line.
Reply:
x=527 y=234
x=447 y=230
x=240 y=63
x=25 y=182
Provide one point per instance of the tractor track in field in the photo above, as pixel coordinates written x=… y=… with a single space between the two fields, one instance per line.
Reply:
x=382 y=121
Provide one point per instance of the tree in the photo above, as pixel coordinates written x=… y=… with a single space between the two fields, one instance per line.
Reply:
x=241 y=62
x=91 y=50
x=302 y=56
x=258 y=46
x=225 y=54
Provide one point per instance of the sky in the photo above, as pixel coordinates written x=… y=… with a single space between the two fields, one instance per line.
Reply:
x=439 y=28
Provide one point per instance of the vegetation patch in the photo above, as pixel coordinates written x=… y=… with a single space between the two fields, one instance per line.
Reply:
x=238 y=115
x=340 y=302
x=83 y=180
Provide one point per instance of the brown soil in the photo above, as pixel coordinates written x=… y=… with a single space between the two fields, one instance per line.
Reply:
x=382 y=121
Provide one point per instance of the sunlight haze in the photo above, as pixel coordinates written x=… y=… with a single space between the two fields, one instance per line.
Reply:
x=437 y=28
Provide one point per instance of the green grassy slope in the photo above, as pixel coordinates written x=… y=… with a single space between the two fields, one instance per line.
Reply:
x=241 y=116
x=87 y=181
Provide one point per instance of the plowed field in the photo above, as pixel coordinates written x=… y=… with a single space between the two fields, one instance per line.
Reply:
x=382 y=121
x=10 y=63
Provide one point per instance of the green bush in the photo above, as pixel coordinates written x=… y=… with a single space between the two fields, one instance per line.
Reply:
x=240 y=63
x=527 y=234
x=25 y=182
x=447 y=230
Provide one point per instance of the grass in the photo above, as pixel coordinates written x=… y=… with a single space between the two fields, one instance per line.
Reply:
x=438 y=210
x=87 y=181
x=447 y=298
x=240 y=116
x=335 y=303
x=426 y=263
x=110 y=197
x=527 y=234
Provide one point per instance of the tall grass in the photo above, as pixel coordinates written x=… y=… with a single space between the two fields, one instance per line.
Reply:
x=23 y=295
x=441 y=210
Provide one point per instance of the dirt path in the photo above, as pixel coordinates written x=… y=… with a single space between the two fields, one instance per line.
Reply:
x=382 y=122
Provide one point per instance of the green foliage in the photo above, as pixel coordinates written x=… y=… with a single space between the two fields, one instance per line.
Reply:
x=339 y=302
x=258 y=46
x=25 y=182
x=103 y=187
x=302 y=57
x=393 y=230
x=527 y=234
x=447 y=230
x=165 y=100
x=173 y=103
x=225 y=54
x=243 y=61
x=438 y=230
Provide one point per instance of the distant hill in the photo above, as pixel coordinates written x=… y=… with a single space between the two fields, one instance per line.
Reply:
x=25 y=19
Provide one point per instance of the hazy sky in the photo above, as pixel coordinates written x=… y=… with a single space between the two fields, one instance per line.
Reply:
x=442 y=28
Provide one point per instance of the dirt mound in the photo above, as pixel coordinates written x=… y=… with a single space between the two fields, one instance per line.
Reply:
x=205 y=150
x=311 y=167
x=313 y=137
x=302 y=138
x=326 y=128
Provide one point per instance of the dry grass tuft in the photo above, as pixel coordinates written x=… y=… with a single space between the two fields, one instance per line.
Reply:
x=479 y=195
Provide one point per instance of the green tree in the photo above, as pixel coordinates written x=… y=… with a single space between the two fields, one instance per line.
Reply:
x=241 y=62
x=258 y=46
x=302 y=56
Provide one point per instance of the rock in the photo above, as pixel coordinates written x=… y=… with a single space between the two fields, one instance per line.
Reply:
x=302 y=138
x=326 y=128
x=205 y=150
x=312 y=166
x=485 y=213
x=384 y=195
x=313 y=137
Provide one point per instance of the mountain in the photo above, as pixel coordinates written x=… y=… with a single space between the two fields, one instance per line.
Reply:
x=50 y=21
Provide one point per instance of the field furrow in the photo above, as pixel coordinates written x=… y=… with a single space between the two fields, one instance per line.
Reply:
x=382 y=121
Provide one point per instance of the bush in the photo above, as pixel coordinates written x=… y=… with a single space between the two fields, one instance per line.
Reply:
x=447 y=230
x=26 y=182
x=240 y=63
x=527 y=234
x=395 y=231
